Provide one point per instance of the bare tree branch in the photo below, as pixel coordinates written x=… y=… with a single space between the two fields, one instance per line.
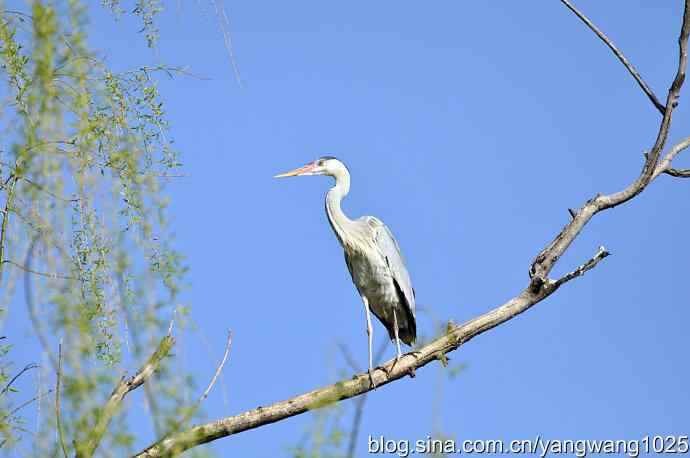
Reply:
x=359 y=384
x=227 y=37
x=201 y=399
x=539 y=288
x=87 y=448
x=628 y=65
x=601 y=254
x=547 y=258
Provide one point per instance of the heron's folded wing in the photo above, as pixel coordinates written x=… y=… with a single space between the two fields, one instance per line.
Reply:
x=390 y=250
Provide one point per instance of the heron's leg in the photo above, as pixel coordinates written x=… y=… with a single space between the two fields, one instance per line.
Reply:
x=398 y=354
x=397 y=338
x=370 y=335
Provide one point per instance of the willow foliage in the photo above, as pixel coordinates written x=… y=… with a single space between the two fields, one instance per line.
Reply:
x=84 y=155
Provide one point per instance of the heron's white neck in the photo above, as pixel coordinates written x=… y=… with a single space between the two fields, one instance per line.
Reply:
x=339 y=221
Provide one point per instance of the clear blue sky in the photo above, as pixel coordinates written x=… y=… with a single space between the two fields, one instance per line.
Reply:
x=469 y=128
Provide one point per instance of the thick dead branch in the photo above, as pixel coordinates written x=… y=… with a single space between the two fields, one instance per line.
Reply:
x=621 y=57
x=539 y=288
x=87 y=448
x=359 y=384
x=547 y=258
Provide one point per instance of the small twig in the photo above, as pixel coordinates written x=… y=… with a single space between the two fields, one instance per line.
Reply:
x=218 y=369
x=633 y=71
x=174 y=69
x=347 y=356
x=30 y=306
x=58 y=417
x=26 y=403
x=5 y=219
x=26 y=368
x=601 y=254
x=227 y=38
x=679 y=173
x=171 y=175
x=201 y=399
x=36 y=272
x=50 y=143
x=50 y=193
x=17 y=13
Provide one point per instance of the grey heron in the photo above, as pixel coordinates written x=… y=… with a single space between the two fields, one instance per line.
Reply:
x=373 y=258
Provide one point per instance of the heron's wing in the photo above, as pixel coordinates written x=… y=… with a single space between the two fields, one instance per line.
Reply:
x=349 y=267
x=389 y=249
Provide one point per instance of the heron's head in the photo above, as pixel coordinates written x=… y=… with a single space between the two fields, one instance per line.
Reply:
x=326 y=165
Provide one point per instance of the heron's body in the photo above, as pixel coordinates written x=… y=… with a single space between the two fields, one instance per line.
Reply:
x=381 y=284
x=372 y=256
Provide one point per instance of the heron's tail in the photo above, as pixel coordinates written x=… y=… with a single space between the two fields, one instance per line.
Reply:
x=408 y=328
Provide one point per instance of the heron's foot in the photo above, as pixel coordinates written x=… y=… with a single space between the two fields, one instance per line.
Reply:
x=383 y=368
x=387 y=370
x=395 y=363
x=415 y=353
x=371 y=378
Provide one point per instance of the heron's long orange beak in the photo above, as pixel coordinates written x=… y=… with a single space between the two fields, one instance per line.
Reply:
x=300 y=171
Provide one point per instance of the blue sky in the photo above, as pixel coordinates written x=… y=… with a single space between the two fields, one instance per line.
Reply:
x=469 y=128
